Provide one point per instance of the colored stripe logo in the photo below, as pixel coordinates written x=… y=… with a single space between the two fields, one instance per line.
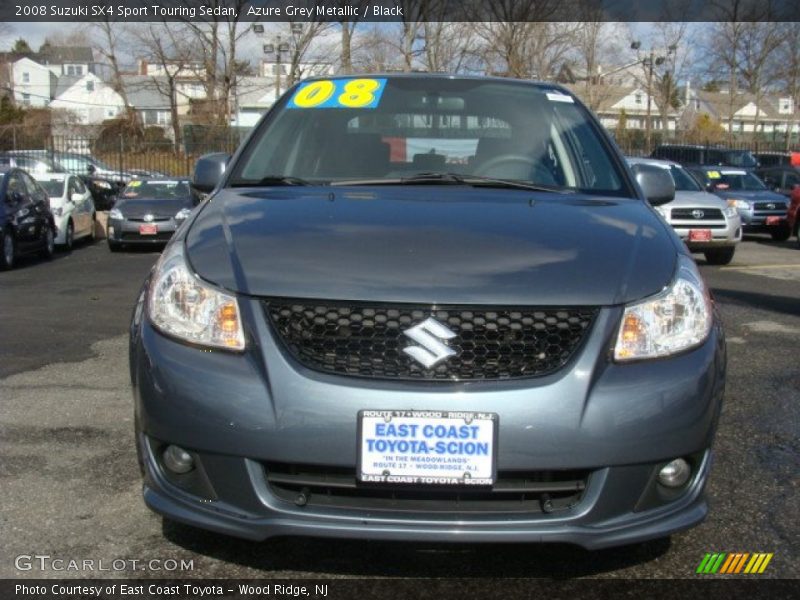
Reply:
x=734 y=563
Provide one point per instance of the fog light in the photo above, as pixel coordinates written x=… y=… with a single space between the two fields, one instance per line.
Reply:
x=178 y=460
x=674 y=474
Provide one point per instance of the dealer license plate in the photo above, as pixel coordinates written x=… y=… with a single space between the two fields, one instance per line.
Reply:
x=148 y=229
x=699 y=235
x=774 y=220
x=427 y=447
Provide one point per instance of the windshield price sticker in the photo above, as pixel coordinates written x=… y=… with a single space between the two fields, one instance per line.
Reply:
x=714 y=175
x=427 y=447
x=339 y=93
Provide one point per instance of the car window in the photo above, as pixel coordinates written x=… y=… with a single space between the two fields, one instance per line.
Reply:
x=740 y=159
x=54 y=188
x=421 y=125
x=166 y=190
x=79 y=187
x=791 y=179
x=737 y=180
x=30 y=184
x=16 y=185
x=684 y=182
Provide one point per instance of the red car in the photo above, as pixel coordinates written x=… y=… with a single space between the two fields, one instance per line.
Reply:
x=794 y=213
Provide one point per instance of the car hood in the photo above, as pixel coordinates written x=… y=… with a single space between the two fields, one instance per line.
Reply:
x=139 y=207
x=760 y=196
x=447 y=245
x=696 y=200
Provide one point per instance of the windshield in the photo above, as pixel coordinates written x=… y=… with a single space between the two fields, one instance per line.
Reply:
x=741 y=158
x=737 y=180
x=160 y=190
x=80 y=164
x=54 y=189
x=389 y=130
x=684 y=182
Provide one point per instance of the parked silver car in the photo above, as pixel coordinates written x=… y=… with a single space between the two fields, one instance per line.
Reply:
x=705 y=222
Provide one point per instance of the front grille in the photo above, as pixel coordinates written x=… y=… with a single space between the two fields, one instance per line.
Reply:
x=153 y=220
x=776 y=206
x=161 y=236
x=699 y=225
x=709 y=214
x=513 y=492
x=367 y=340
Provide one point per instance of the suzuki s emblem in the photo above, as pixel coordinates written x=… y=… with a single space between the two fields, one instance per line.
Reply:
x=148 y=218
x=771 y=206
x=431 y=337
x=698 y=214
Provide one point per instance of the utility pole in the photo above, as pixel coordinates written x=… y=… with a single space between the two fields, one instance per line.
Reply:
x=650 y=61
x=278 y=48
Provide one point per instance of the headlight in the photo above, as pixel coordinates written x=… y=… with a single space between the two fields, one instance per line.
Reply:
x=183 y=213
x=740 y=204
x=673 y=321
x=182 y=306
x=730 y=212
x=116 y=214
x=101 y=184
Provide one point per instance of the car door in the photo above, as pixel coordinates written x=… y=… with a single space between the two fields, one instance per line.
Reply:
x=21 y=214
x=40 y=204
x=87 y=203
x=78 y=206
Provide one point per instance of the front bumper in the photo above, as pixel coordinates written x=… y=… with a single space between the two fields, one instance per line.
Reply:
x=238 y=413
x=727 y=234
x=124 y=231
x=756 y=222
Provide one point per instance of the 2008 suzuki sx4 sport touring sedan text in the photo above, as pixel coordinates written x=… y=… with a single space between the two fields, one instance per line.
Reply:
x=428 y=308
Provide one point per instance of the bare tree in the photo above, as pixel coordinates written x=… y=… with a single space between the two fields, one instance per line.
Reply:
x=216 y=39
x=165 y=46
x=522 y=39
x=449 y=47
x=674 y=42
x=109 y=43
x=373 y=50
x=789 y=74
x=723 y=48
x=300 y=45
x=758 y=69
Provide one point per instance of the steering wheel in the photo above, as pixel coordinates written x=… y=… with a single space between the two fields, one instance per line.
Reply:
x=486 y=168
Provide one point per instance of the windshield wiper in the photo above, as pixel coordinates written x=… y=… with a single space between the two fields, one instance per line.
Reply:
x=443 y=177
x=273 y=180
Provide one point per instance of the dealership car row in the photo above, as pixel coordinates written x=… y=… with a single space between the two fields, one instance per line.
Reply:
x=720 y=195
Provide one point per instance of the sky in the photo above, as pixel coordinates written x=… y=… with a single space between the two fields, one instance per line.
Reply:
x=36 y=32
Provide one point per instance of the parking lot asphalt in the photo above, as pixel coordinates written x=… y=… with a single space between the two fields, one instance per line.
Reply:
x=70 y=487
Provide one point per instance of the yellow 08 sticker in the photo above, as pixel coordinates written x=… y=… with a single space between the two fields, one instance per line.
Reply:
x=339 y=93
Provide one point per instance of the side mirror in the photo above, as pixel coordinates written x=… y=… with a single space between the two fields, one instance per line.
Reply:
x=656 y=183
x=208 y=171
x=90 y=169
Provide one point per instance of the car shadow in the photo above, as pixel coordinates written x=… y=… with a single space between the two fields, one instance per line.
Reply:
x=780 y=304
x=360 y=558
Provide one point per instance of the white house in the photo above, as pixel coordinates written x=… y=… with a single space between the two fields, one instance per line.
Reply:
x=610 y=101
x=254 y=96
x=773 y=113
x=89 y=98
x=34 y=84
